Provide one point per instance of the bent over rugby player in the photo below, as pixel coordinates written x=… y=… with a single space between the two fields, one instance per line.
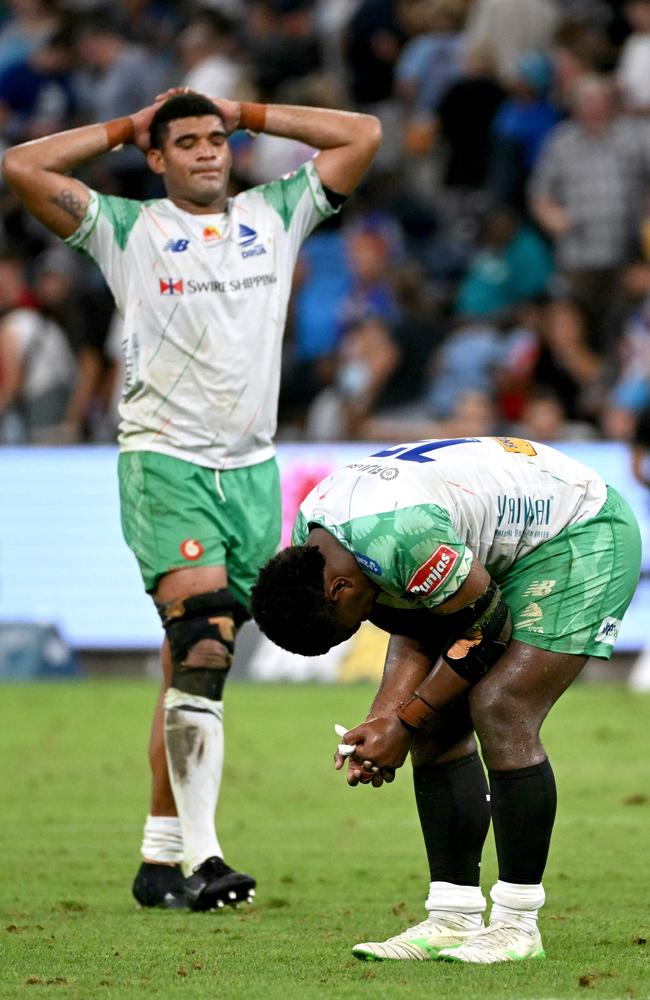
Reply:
x=498 y=566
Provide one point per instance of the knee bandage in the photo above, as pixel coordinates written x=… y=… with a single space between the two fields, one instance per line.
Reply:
x=201 y=632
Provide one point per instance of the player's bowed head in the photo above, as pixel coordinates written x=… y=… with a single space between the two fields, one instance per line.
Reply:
x=311 y=597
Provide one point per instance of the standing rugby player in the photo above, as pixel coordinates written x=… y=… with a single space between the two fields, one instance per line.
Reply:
x=202 y=282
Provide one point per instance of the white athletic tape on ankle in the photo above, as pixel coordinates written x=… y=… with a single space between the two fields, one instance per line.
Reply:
x=516 y=896
x=455 y=898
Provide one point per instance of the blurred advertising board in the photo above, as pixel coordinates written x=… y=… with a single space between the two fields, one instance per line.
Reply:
x=63 y=560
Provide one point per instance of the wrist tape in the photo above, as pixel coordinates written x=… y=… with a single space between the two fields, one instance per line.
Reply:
x=252 y=116
x=414 y=713
x=119 y=131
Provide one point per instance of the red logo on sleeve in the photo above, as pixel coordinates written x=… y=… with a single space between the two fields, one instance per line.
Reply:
x=433 y=573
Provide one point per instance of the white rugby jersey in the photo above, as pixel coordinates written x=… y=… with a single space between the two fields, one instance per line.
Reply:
x=414 y=516
x=204 y=302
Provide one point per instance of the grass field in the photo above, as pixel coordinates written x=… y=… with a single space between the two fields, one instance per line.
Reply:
x=335 y=865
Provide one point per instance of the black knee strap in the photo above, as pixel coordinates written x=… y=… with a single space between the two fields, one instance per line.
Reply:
x=215 y=616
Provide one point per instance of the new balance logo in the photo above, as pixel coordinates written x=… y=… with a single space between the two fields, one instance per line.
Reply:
x=246 y=235
x=171 y=286
x=176 y=246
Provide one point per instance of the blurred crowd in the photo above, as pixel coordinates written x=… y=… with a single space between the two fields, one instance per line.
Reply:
x=492 y=275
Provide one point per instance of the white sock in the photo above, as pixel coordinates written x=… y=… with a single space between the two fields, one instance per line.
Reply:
x=458 y=905
x=162 y=840
x=516 y=904
x=194 y=746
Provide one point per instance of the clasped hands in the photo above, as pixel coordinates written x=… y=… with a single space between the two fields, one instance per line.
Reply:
x=381 y=747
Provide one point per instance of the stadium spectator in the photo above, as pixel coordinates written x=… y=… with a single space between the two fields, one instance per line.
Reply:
x=65 y=295
x=322 y=281
x=402 y=539
x=200 y=499
x=430 y=61
x=463 y=119
x=283 y=44
x=586 y=195
x=544 y=418
x=208 y=47
x=37 y=365
x=630 y=394
x=520 y=127
x=459 y=157
x=372 y=44
x=511 y=264
x=118 y=76
x=371 y=292
x=29 y=25
x=366 y=358
x=504 y=30
x=37 y=95
x=633 y=72
x=466 y=362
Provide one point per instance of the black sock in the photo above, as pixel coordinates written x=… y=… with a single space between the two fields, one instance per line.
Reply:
x=452 y=801
x=523 y=811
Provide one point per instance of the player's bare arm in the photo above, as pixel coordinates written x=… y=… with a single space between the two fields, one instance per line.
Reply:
x=348 y=141
x=411 y=698
x=37 y=171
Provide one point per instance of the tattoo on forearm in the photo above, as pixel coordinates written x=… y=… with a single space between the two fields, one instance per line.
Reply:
x=70 y=203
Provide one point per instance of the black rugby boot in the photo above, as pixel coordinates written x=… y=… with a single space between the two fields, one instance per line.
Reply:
x=215 y=884
x=160 y=885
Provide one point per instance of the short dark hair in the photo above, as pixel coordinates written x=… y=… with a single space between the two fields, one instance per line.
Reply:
x=179 y=106
x=288 y=602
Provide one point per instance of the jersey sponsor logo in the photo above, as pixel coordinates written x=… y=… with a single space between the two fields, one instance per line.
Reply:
x=177 y=286
x=248 y=242
x=433 y=573
x=523 y=510
x=247 y=236
x=171 y=286
x=211 y=234
x=367 y=563
x=385 y=472
x=608 y=631
x=191 y=549
x=516 y=446
x=176 y=246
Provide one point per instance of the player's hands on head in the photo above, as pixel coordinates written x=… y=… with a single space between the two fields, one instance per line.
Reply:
x=142 y=123
x=230 y=111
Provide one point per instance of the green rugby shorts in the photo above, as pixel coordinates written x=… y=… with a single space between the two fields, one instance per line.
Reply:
x=176 y=515
x=570 y=594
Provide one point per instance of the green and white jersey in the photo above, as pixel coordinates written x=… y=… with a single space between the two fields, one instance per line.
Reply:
x=204 y=301
x=414 y=516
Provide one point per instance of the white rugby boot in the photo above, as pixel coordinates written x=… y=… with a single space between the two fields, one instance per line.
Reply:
x=497 y=943
x=424 y=941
